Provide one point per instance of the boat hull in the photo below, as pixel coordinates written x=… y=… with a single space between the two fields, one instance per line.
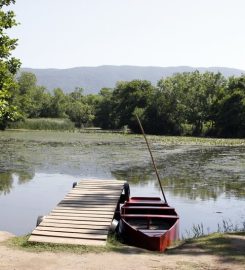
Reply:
x=149 y=223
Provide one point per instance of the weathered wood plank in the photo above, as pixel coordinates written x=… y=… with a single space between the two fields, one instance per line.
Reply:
x=105 y=215
x=99 y=182
x=97 y=200
x=70 y=235
x=102 y=187
x=94 y=218
x=95 y=190
x=91 y=198
x=91 y=193
x=82 y=206
x=98 y=213
x=87 y=191
x=71 y=241
x=85 y=209
x=94 y=208
x=80 y=222
x=105 y=186
x=98 y=189
x=78 y=196
x=73 y=230
x=75 y=226
x=83 y=203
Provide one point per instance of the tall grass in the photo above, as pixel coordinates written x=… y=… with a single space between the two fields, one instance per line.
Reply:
x=43 y=124
x=225 y=227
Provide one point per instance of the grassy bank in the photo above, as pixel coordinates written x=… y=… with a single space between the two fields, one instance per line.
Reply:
x=43 y=124
x=64 y=124
x=228 y=246
x=21 y=242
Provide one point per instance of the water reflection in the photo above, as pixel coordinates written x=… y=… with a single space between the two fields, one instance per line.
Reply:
x=7 y=179
x=203 y=173
x=6 y=182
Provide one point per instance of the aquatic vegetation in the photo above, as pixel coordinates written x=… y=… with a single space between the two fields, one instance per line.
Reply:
x=196 y=177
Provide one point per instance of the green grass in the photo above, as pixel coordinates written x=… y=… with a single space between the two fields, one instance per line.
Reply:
x=43 y=124
x=21 y=242
x=182 y=140
x=228 y=246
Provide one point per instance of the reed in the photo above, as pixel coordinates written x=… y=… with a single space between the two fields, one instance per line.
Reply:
x=226 y=226
x=43 y=124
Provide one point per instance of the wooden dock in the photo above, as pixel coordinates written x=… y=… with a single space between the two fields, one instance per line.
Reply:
x=84 y=216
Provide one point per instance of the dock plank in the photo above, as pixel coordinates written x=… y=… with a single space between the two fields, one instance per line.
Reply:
x=70 y=235
x=72 y=230
x=79 y=209
x=92 y=218
x=70 y=241
x=88 y=214
x=81 y=212
x=79 y=222
x=75 y=226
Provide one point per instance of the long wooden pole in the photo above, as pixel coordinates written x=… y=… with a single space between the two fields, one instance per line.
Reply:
x=152 y=159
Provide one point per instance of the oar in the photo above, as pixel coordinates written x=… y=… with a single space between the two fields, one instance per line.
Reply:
x=152 y=159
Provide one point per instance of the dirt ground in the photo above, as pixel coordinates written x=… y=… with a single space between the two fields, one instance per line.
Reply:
x=186 y=258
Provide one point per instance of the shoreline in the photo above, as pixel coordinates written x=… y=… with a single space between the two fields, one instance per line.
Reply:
x=191 y=255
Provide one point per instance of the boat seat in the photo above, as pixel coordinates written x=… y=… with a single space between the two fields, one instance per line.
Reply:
x=154 y=233
x=147 y=207
x=145 y=204
x=147 y=216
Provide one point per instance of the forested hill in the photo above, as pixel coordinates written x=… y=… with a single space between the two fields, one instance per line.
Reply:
x=92 y=79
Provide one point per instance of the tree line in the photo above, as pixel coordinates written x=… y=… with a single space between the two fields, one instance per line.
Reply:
x=196 y=104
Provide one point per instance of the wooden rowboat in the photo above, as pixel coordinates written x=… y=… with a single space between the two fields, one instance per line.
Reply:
x=148 y=222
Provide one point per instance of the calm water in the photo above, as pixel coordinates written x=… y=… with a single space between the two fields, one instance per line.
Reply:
x=205 y=183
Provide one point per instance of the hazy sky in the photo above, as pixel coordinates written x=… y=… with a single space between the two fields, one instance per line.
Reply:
x=70 y=33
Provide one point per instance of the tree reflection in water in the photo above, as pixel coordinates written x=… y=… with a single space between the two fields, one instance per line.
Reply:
x=7 y=180
x=203 y=173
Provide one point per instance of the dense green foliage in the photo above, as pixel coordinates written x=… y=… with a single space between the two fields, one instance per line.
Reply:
x=8 y=66
x=184 y=104
x=198 y=104
x=35 y=102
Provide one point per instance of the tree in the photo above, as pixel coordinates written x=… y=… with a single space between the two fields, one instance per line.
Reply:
x=191 y=98
x=128 y=97
x=27 y=86
x=103 y=109
x=8 y=67
x=59 y=103
x=201 y=98
x=32 y=100
x=80 y=108
x=80 y=113
x=230 y=119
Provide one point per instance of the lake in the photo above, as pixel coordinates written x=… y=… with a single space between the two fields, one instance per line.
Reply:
x=204 y=179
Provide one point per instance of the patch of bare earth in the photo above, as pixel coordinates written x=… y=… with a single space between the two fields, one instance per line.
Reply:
x=186 y=258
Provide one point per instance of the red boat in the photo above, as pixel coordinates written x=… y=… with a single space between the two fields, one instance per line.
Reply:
x=148 y=222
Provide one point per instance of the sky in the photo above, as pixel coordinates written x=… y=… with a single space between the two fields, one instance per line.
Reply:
x=64 y=34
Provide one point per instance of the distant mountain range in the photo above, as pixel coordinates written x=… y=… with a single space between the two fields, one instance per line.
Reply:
x=92 y=79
